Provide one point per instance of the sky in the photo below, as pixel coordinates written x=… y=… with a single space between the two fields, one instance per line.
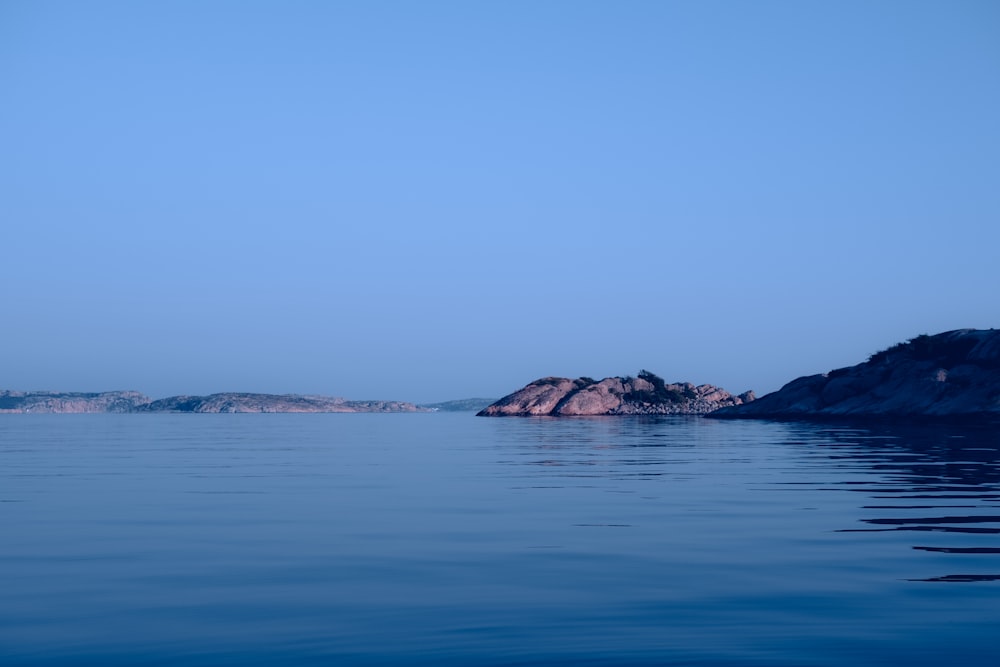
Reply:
x=426 y=201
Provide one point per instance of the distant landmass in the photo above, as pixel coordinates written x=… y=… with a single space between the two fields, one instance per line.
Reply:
x=955 y=374
x=239 y=402
x=647 y=394
x=133 y=401
x=461 y=405
x=51 y=401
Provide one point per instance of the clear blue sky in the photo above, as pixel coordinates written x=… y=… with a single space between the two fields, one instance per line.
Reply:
x=433 y=200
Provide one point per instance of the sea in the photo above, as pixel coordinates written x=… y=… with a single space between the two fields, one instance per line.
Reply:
x=448 y=539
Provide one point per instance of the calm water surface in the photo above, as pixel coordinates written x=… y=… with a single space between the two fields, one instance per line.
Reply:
x=447 y=539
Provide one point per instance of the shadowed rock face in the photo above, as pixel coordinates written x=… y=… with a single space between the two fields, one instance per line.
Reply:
x=643 y=395
x=949 y=375
x=70 y=402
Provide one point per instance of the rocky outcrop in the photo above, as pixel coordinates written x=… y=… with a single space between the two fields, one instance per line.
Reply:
x=955 y=374
x=238 y=402
x=646 y=394
x=72 y=402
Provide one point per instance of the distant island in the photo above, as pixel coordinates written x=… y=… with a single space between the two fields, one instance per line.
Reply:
x=460 y=405
x=646 y=394
x=70 y=402
x=951 y=375
x=133 y=401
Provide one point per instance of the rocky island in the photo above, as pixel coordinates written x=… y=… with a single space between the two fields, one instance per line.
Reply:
x=77 y=402
x=951 y=375
x=460 y=405
x=646 y=394
x=240 y=402
x=133 y=401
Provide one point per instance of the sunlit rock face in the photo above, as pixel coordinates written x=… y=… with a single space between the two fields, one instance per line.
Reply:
x=541 y=397
x=955 y=374
x=646 y=394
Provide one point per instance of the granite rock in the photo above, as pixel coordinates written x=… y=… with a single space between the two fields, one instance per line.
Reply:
x=955 y=374
x=646 y=394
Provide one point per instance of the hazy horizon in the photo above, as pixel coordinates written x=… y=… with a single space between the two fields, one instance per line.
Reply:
x=387 y=397
x=441 y=200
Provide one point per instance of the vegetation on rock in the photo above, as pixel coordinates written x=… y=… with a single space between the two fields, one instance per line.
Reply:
x=955 y=374
x=645 y=394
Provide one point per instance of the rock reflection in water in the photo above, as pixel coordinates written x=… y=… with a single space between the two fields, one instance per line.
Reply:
x=926 y=479
x=929 y=462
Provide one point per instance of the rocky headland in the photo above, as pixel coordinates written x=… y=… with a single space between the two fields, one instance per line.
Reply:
x=952 y=375
x=133 y=401
x=646 y=394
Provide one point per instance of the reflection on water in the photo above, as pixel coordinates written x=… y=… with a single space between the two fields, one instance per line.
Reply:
x=953 y=473
x=451 y=540
x=926 y=478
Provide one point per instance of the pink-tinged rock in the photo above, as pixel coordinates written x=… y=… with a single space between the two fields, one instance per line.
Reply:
x=646 y=394
x=234 y=402
x=132 y=401
x=601 y=398
x=538 y=398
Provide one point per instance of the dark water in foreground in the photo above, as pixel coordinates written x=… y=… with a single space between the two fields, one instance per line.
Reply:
x=450 y=540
